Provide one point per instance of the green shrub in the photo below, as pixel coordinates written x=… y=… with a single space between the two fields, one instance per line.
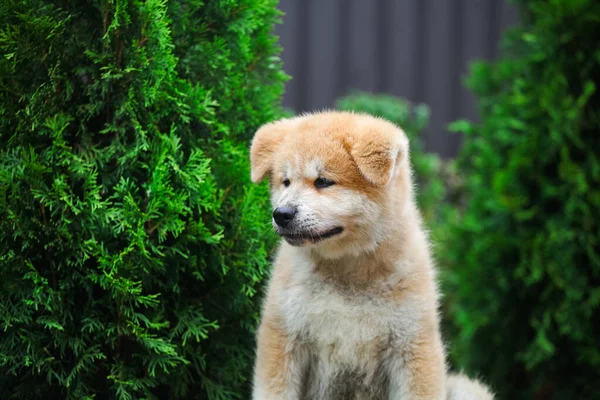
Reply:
x=524 y=258
x=412 y=119
x=131 y=243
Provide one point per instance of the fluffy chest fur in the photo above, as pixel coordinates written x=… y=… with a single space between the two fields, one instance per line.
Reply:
x=348 y=332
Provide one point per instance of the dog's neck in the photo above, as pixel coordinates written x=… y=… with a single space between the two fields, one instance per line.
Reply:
x=368 y=267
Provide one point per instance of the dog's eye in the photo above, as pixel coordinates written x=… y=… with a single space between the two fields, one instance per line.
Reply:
x=286 y=182
x=321 y=183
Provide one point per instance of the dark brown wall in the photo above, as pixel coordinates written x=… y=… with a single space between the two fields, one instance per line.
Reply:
x=417 y=49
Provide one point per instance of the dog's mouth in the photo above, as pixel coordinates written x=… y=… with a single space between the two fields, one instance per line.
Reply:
x=299 y=238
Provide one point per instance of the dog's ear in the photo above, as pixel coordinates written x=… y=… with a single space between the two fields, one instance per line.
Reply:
x=378 y=149
x=264 y=144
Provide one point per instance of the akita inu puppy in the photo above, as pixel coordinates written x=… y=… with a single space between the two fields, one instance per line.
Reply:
x=351 y=310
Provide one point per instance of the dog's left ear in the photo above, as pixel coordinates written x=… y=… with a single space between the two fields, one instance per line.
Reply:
x=264 y=145
x=378 y=149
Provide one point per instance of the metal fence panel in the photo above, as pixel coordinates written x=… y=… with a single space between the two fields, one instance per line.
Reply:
x=416 y=49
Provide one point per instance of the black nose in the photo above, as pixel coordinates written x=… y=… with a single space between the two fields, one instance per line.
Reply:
x=284 y=215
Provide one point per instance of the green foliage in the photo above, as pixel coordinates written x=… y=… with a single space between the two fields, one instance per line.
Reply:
x=524 y=258
x=131 y=243
x=412 y=119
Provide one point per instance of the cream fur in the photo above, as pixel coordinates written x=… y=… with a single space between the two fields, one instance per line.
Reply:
x=462 y=388
x=353 y=316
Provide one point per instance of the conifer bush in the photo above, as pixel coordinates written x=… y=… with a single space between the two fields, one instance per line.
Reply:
x=131 y=242
x=524 y=257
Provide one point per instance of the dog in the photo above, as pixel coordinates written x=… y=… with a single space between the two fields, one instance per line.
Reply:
x=351 y=308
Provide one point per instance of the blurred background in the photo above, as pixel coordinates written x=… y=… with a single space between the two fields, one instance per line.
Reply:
x=419 y=50
x=134 y=249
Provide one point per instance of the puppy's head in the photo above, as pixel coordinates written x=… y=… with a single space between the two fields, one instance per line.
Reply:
x=338 y=180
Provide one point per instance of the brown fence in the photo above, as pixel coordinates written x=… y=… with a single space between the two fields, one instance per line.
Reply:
x=417 y=49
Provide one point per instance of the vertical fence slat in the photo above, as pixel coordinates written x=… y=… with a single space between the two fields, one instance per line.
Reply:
x=493 y=28
x=438 y=73
x=324 y=53
x=362 y=45
x=421 y=56
x=382 y=39
x=403 y=31
x=303 y=78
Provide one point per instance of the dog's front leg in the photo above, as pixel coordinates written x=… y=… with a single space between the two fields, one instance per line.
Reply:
x=281 y=364
x=417 y=371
